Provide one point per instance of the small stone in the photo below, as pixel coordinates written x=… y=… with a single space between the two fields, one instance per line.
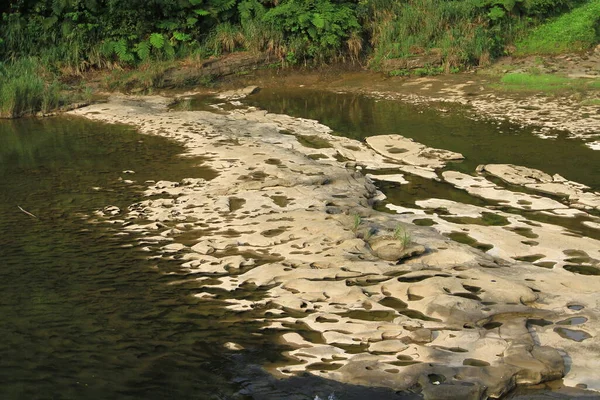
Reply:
x=233 y=346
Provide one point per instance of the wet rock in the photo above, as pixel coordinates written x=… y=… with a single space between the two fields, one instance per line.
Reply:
x=233 y=346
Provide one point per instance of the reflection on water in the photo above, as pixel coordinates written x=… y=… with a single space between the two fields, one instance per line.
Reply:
x=481 y=142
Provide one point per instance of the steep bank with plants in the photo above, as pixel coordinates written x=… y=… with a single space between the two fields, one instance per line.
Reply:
x=68 y=38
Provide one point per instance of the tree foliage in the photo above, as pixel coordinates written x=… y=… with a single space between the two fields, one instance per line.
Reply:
x=76 y=35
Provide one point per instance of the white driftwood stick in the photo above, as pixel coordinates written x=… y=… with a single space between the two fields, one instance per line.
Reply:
x=27 y=212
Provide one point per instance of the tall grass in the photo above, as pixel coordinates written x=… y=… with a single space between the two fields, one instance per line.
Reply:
x=23 y=89
x=576 y=30
x=456 y=31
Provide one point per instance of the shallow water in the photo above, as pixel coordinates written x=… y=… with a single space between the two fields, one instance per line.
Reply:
x=480 y=141
x=84 y=313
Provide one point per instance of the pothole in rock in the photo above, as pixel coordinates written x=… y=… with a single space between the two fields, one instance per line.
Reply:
x=582 y=269
x=414 y=314
x=526 y=232
x=575 y=253
x=492 y=325
x=419 y=278
x=236 y=203
x=401 y=363
x=463 y=238
x=530 y=258
x=396 y=150
x=325 y=320
x=323 y=366
x=573 y=321
x=306 y=332
x=317 y=156
x=575 y=307
x=414 y=297
x=572 y=334
x=254 y=176
x=353 y=348
x=545 y=264
x=424 y=222
x=313 y=141
x=436 y=379
x=394 y=303
x=475 y=363
x=452 y=349
x=486 y=219
x=273 y=232
x=363 y=315
x=538 y=322
x=467 y=295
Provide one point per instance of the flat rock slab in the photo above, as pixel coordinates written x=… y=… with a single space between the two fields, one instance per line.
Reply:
x=481 y=187
x=539 y=181
x=407 y=151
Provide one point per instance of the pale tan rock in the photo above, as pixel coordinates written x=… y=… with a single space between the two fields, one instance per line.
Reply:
x=407 y=151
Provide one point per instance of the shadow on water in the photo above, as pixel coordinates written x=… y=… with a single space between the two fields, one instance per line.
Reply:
x=84 y=313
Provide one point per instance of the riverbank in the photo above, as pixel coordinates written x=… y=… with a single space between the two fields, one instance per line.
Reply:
x=297 y=223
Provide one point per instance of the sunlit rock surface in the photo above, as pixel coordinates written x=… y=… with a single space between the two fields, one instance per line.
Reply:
x=289 y=214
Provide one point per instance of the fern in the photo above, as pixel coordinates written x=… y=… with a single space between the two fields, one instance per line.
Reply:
x=157 y=40
x=182 y=37
x=122 y=52
x=142 y=49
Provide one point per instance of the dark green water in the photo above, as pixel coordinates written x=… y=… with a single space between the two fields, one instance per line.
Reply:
x=481 y=142
x=83 y=313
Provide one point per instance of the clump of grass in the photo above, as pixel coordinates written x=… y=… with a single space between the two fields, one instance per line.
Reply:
x=574 y=31
x=544 y=83
x=144 y=78
x=402 y=235
x=591 y=102
x=454 y=30
x=226 y=38
x=356 y=222
x=23 y=89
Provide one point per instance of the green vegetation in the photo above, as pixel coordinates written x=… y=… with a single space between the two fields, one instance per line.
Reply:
x=591 y=102
x=574 y=31
x=141 y=40
x=402 y=235
x=545 y=82
x=23 y=89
